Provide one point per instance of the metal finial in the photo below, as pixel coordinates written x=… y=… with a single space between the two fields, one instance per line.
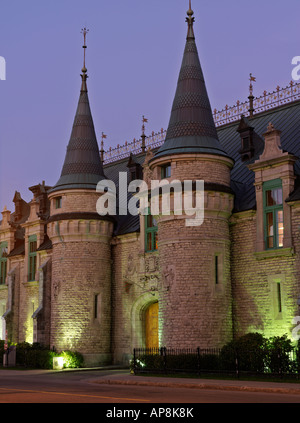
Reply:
x=251 y=97
x=251 y=79
x=190 y=20
x=144 y=120
x=103 y=137
x=84 y=31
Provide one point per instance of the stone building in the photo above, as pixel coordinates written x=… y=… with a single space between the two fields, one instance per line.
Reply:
x=73 y=279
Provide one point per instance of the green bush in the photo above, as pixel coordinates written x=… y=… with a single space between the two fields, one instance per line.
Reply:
x=278 y=355
x=71 y=359
x=182 y=362
x=41 y=357
x=34 y=356
x=247 y=353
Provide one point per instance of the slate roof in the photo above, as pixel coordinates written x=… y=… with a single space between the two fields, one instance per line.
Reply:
x=82 y=166
x=285 y=118
x=191 y=128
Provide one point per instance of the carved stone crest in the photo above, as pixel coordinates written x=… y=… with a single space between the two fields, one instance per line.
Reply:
x=152 y=264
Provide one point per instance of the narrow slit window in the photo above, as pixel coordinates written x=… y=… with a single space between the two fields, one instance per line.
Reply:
x=32 y=258
x=58 y=202
x=96 y=303
x=279 y=302
x=166 y=171
x=216 y=270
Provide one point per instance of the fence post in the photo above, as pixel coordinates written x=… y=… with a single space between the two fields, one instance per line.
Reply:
x=237 y=365
x=134 y=360
x=198 y=360
x=163 y=352
x=298 y=361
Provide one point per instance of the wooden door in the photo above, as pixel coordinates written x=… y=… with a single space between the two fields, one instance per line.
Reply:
x=151 y=319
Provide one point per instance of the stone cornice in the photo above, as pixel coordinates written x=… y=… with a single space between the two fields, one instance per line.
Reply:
x=79 y=216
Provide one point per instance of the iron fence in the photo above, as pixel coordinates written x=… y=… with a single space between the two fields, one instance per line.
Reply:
x=199 y=361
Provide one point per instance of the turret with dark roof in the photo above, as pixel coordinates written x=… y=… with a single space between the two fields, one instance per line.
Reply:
x=191 y=127
x=82 y=167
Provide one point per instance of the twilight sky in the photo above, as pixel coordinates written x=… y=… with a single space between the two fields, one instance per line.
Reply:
x=134 y=54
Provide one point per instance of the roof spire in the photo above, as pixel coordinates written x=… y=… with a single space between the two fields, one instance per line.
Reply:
x=251 y=97
x=82 y=168
x=144 y=120
x=191 y=127
x=190 y=20
x=84 y=76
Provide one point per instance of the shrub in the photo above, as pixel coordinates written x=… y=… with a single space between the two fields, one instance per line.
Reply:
x=246 y=352
x=278 y=355
x=34 y=355
x=71 y=359
x=41 y=357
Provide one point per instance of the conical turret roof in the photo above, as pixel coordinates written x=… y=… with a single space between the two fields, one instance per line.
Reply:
x=191 y=128
x=82 y=167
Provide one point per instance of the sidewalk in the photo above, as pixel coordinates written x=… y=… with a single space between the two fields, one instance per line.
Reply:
x=229 y=385
x=125 y=378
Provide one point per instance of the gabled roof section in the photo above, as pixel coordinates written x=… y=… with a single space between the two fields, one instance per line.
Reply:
x=191 y=127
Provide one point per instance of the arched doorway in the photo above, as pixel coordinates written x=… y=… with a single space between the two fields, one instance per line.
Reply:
x=151 y=326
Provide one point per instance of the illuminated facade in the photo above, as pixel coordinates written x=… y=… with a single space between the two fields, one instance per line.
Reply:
x=102 y=285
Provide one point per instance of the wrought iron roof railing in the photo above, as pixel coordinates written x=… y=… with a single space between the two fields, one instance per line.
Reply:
x=267 y=101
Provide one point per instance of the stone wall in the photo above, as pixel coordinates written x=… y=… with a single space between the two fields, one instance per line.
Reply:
x=135 y=284
x=254 y=281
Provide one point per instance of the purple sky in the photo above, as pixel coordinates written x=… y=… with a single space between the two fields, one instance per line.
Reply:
x=134 y=53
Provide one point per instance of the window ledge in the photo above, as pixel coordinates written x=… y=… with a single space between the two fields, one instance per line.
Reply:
x=278 y=252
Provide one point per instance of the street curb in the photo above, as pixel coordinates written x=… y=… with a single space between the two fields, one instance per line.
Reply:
x=200 y=386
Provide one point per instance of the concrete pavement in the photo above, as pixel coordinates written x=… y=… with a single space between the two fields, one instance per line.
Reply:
x=229 y=385
x=126 y=378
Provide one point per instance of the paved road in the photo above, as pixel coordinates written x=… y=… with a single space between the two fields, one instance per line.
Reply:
x=82 y=387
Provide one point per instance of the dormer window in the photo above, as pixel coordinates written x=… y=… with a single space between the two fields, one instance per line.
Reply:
x=134 y=169
x=133 y=175
x=247 y=145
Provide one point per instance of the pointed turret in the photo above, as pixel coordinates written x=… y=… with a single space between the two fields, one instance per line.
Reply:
x=191 y=127
x=82 y=167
